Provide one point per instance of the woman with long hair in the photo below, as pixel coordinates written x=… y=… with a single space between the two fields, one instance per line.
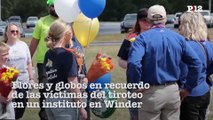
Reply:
x=19 y=58
x=142 y=24
x=194 y=29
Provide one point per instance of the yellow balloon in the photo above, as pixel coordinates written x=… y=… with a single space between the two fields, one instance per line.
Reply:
x=85 y=29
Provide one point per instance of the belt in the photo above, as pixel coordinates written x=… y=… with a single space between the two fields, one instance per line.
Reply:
x=164 y=84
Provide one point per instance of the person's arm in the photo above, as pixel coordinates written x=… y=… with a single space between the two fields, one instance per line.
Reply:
x=209 y=70
x=134 y=67
x=33 y=46
x=122 y=63
x=36 y=37
x=29 y=66
x=3 y=99
x=182 y=80
x=194 y=66
x=10 y=96
x=74 y=80
x=183 y=74
x=210 y=58
x=29 y=69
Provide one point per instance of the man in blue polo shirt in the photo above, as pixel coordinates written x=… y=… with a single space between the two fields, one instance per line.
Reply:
x=154 y=58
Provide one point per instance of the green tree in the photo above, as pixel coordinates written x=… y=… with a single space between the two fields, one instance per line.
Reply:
x=114 y=10
x=23 y=8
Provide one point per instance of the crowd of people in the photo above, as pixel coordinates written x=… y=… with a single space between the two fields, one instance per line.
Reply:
x=176 y=65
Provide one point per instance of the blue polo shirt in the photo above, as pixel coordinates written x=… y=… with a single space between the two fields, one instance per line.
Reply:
x=202 y=86
x=155 y=58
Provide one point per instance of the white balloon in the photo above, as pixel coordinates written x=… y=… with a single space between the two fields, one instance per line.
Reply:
x=67 y=10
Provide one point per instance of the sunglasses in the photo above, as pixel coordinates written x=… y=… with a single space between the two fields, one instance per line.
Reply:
x=14 y=31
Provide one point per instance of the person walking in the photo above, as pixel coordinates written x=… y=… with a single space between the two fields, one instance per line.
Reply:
x=19 y=58
x=62 y=72
x=6 y=105
x=38 y=43
x=154 y=59
x=142 y=24
x=194 y=29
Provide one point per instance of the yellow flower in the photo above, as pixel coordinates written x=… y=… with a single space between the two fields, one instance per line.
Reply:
x=4 y=76
x=9 y=75
x=132 y=39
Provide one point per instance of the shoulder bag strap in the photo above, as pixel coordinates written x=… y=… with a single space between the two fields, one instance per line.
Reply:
x=205 y=53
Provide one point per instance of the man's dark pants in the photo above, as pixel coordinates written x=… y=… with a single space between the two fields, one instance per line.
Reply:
x=19 y=112
x=42 y=78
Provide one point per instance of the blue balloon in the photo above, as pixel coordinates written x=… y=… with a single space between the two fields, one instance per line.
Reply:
x=92 y=8
x=106 y=78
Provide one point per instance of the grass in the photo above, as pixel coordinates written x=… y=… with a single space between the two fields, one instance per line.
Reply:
x=106 y=38
x=118 y=75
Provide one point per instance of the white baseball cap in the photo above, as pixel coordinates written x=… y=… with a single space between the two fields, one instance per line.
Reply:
x=156 y=13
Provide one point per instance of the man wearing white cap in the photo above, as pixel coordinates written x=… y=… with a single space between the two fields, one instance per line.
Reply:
x=154 y=58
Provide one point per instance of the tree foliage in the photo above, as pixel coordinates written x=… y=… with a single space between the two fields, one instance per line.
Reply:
x=114 y=10
x=23 y=8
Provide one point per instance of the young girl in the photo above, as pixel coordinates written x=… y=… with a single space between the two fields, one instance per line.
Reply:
x=61 y=67
x=6 y=112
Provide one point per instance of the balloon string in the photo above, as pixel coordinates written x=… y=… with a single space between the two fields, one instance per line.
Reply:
x=84 y=52
x=90 y=26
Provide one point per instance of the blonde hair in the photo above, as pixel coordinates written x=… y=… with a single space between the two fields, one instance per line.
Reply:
x=193 y=26
x=56 y=32
x=7 y=28
x=3 y=47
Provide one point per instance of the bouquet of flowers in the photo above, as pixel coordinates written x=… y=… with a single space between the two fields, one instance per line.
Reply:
x=7 y=75
x=100 y=66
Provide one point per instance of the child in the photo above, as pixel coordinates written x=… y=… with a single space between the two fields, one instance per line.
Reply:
x=6 y=107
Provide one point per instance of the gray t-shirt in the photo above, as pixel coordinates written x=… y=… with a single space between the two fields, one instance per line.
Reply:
x=19 y=57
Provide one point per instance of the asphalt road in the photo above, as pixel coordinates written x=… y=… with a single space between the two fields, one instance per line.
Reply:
x=105 y=28
x=114 y=28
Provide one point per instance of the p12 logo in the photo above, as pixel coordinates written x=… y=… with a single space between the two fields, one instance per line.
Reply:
x=194 y=8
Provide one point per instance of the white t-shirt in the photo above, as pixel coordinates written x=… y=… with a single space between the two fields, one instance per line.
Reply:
x=19 y=57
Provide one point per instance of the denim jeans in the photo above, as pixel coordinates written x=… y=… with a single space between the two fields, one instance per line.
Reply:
x=42 y=78
x=194 y=107
x=67 y=113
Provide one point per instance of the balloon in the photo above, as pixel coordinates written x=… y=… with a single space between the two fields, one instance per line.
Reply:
x=67 y=10
x=85 y=29
x=106 y=78
x=92 y=8
x=104 y=111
